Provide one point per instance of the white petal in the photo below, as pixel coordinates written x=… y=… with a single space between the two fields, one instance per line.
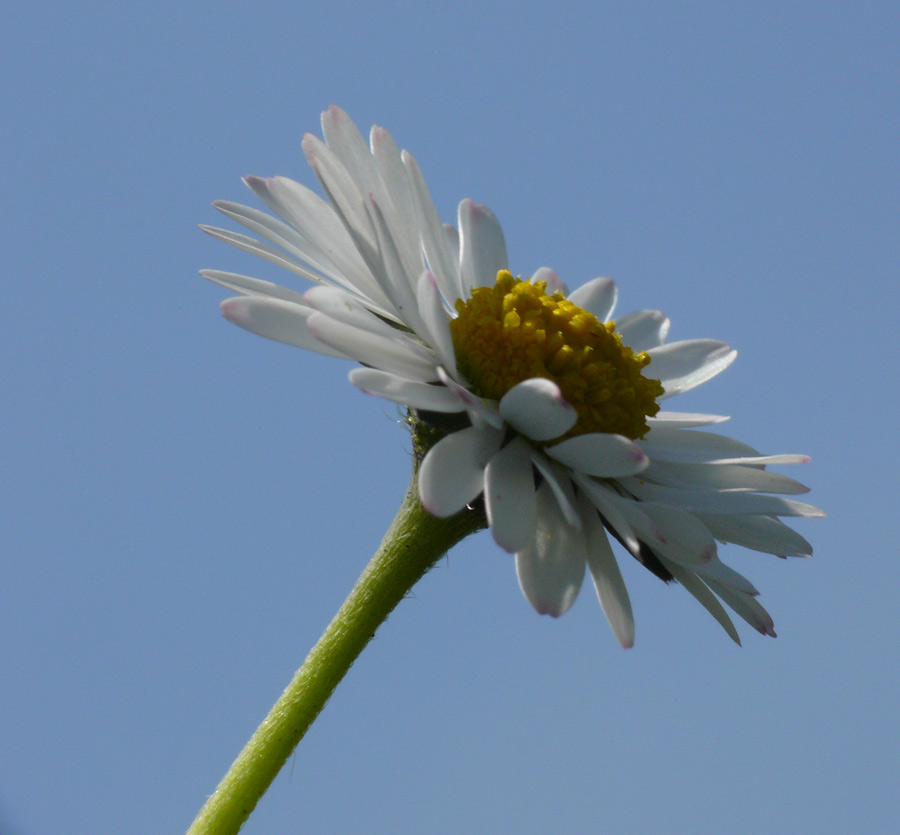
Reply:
x=510 y=498
x=452 y=473
x=407 y=392
x=263 y=250
x=554 y=283
x=398 y=277
x=396 y=180
x=644 y=330
x=694 y=446
x=324 y=242
x=668 y=531
x=597 y=297
x=558 y=477
x=717 y=570
x=704 y=596
x=476 y=406
x=685 y=539
x=551 y=567
x=295 y=244
x=436 y=321
x=599 y=454
x=344 y=193
x=722 y=477
x=349 y=147
x=712 y=501
x=253 y=286
x=681 y=366
x=613 y=509
x=712 y=456
x=279 y=320
x=272 y=229
x=451 y=236
x=347 y=144
x=746 y=606
x=759 y=533
x=395 y=354
x=342 y=306
x=682 y=420
x=482 y=246
x=441 y=260
x=537 y=409
x=607 y=577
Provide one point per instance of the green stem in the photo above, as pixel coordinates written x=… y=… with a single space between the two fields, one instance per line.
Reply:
x=412 y=545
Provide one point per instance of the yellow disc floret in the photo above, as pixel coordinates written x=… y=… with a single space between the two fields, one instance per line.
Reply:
x=514 y=331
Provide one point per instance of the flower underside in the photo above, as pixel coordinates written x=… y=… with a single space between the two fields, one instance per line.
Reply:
x=515 y=331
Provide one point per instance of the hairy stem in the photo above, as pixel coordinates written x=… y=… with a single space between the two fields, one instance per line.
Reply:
x=412 y=545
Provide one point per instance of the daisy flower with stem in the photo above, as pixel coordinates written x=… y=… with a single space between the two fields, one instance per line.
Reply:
x=533 y=412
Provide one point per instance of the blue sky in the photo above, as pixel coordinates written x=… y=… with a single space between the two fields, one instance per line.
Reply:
x=184 y=505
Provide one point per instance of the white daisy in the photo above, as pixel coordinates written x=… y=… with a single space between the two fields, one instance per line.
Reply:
x=548 y=410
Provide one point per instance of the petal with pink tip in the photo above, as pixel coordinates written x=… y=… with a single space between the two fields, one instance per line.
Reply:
x=683 y=420
x=554 y=283
x=598 y=297
x=745 y=606
x=551 y=567
x=560 y=480
x=608 y=581
x=253 y=286
x=600 y=454
x=442 y=261
x=407 y=392
x=681 y=366
x=537 y=409
x=482 y=246
x=703 y=596
x=509 y=495
x=475 y=405
x=436 y=320
x=685 y=539
x=452 y=473
x=394 y=354
x=643 y=330
x=759 y=533
x=282 y=321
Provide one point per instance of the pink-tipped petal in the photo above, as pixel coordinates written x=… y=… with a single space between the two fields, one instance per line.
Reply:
x=608 y=581
x=554 y=283
x=681 y=366
x=704 y=596
x=685 y=539
x=551 y=567
x=598 y=454
x=279 y=320
x=537 y=409
x=683 y=420
x=597 y=297
x=759 y=533
x=248 y=286
x=560 y=480
x=472 y=402
x=452 y=473
x=394 y=354
x=436 y=320
x=406 y=392
x=643 y=330
x=442 y=260
x=509 y=495
x=482 y=246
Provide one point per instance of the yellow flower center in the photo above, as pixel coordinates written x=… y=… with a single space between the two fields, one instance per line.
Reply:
x=514 y=331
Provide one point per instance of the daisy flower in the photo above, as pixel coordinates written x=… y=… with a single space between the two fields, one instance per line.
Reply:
x=546 y=409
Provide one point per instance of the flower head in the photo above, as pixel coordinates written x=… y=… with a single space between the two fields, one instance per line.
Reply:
x=551 y=409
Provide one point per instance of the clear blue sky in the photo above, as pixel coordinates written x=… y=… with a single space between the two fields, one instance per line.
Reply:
x=183 y=506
